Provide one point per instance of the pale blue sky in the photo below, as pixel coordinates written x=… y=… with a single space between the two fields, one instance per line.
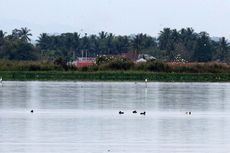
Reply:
x=116 y=16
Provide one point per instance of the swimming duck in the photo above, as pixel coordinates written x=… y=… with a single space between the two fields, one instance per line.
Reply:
x=144 y=113
x=120 y=112
x=188 y=113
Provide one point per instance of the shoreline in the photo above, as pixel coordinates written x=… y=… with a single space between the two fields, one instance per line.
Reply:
x=113 y=76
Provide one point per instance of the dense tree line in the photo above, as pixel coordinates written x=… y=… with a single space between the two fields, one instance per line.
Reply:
x=170 y=45
x=17 y=46
x=71 y=45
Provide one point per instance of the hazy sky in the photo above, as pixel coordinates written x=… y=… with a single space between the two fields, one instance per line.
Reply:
x=116 y=16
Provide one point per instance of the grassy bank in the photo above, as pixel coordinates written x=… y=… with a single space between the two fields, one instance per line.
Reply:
x=113 y=76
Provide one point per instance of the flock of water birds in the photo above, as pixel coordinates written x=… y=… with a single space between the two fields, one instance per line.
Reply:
x=144 y=113
x=134 y=112
x=120 y=112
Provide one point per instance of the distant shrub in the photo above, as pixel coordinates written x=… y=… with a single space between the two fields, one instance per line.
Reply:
x=211 y=67
x=117 y=64
x=153 y=66
x=157 y=66
x=140 y=67
x=93 y=68
x=84 y=69
x=6 y=65
x=114 y=63
x=102 y=60
x=61 y=62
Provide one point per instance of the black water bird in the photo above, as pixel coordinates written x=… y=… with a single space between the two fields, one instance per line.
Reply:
x=144 y=113
x=32 y=111
x=134 y=112
x=120 y=112
x=188 y=113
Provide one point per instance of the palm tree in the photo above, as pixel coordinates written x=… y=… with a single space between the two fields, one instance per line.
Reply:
x=186 y=43
x=223 y=48
x=122 y=44
x=16 y=34
x=109 y=43
x=2 y=34
x=85 y=44
x=103 y=35
x=203 y=48
x=137 y=42
x=2 y=37
x=93 y=45
x=24 y=34
x=43 y=41
x=76 y=43
x=164 y=39
x=102 y=42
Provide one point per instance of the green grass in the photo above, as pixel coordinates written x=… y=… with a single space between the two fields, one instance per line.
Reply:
x=113 y=76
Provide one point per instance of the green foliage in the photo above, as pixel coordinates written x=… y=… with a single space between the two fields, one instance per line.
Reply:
x=157 y=66
x=61 y=62
x=17 y=46
x=191 y=46
x=22 y=34
x=203 y=48
x=6 y=65
x=102 y=60
x=18 y=50
x=114 y=63
x=199 y=67
x=115 y=76
x=153 y=66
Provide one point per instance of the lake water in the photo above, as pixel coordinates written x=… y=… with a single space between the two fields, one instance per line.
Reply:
x=82 y=117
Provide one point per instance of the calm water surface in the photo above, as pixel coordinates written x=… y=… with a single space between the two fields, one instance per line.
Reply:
x=82 y=117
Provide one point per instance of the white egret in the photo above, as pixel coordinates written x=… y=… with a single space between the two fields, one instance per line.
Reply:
x=1 y=81
x=146 y=81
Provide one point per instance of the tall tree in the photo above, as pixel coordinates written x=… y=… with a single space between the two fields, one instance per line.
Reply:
x=165 y=39
x=93 y=45
x=137 y=43
x=2 y=37
x=85 y=44
x=25 y=34
x=22 y=34
x=103 y=42
x=43 y=41
x=122 y=44
x=203 y=48
x=168 y=40
x=223 y=47
x=109 y=43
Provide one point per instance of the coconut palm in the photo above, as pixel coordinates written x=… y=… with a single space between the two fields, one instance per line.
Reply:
x=43 y=41
x=165 y=39
x=24 y=34
x=2 y=37
x=2 y=34
x=223 y=48
x=203 y=49
x=2 y=40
